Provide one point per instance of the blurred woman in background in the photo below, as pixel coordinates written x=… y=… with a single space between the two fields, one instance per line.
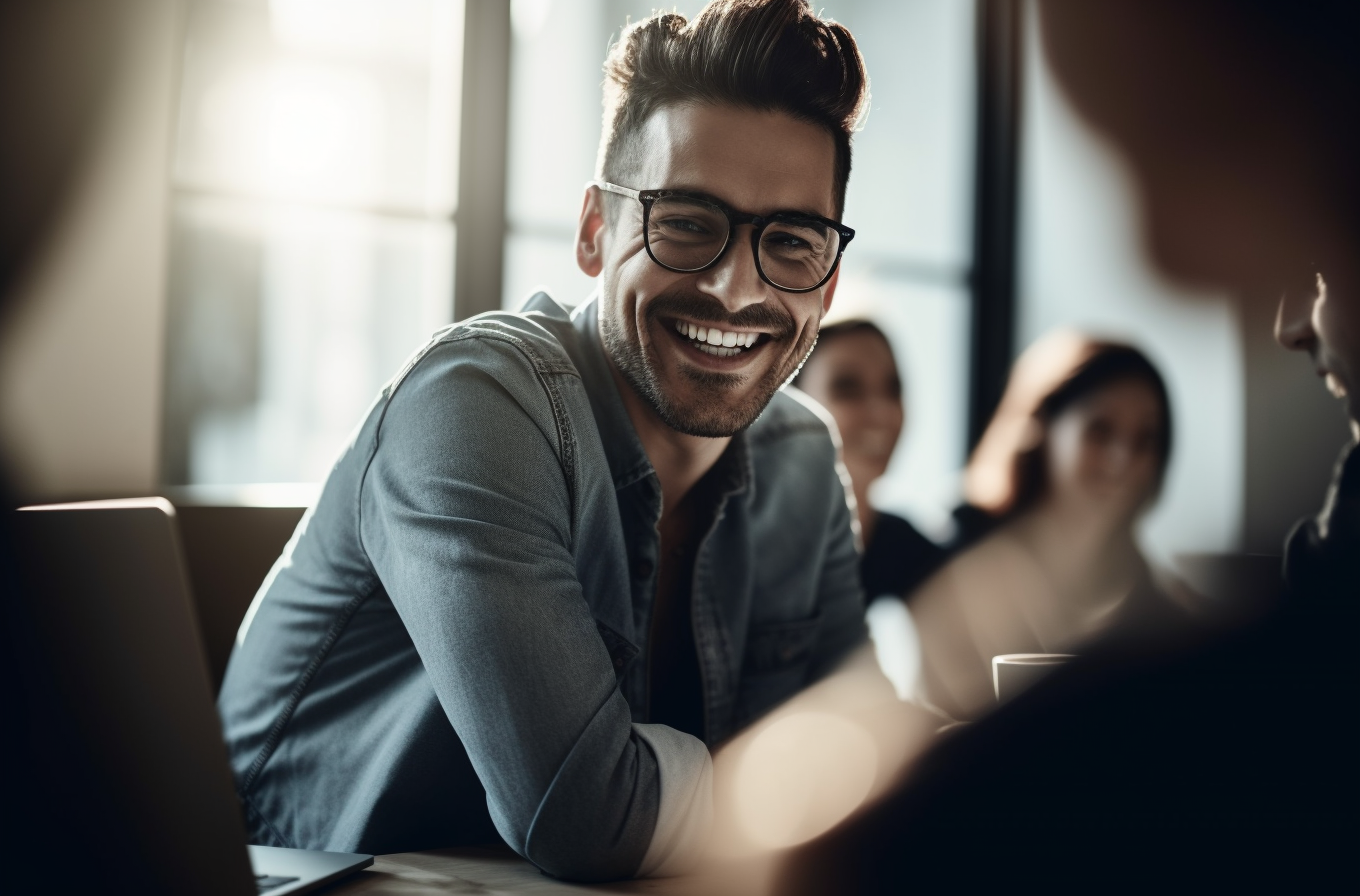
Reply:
x=852 y=373
x=1075 y=454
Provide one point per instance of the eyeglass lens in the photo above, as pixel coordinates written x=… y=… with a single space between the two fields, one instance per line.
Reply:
x=687 y=234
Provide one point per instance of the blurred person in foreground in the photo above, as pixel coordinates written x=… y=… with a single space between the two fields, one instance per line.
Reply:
x=1230 y=762
x=853 y=374
x=570 y=553
x=62 y=62
x=1073 y=457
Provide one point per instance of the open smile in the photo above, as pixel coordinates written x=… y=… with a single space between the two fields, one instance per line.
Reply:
x=716 y=342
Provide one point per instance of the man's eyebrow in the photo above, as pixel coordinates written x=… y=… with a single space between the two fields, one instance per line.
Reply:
x=802 y=213
x=700 y=194
x=722 y=203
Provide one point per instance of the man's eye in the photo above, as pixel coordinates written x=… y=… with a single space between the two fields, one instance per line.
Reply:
x=684 y=228
x=784 y=242
x=795 y=242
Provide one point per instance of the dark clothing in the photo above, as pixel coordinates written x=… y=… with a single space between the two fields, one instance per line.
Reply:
x=1202 y=763
x=674 y=683
x=897 y=558
x=1322 y=554
x=971 y=525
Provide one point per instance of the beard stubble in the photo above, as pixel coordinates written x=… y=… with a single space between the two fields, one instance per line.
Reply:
x=713 y=410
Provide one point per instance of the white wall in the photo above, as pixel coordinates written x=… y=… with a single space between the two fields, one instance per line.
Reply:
x=1081 y=266
x=80 y=356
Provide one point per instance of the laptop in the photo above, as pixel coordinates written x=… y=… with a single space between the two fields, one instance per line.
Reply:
x=110 y=612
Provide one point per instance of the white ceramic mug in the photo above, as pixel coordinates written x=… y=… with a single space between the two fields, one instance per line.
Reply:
x=1014 y=672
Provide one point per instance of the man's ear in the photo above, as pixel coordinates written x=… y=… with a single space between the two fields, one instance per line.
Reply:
x=590 y=232
x=829 y=291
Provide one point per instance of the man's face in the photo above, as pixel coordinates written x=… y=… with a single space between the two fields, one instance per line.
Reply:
x=1325 y=322
x=756 y=162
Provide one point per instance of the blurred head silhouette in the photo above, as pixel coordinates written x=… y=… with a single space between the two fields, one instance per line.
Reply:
x=58 y=61
x=1237 y=119
x=1084 y=425
x=853 y=375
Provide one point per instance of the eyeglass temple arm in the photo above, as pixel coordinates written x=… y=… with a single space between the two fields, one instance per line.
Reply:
x=615 y=188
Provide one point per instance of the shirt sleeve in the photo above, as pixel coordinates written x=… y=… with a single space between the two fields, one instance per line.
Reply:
x=467 y=516
x=685 y=814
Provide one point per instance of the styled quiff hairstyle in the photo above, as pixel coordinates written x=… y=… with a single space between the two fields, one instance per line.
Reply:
x=767 y=55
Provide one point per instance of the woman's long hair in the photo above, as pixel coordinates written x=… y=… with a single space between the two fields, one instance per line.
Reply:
x=1007 y=472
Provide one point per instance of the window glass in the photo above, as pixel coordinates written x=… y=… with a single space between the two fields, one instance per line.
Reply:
x=911 y=186
x=312 y=244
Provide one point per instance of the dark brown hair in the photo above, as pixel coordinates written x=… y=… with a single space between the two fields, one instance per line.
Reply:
x=768 y=55
x=1007 y=472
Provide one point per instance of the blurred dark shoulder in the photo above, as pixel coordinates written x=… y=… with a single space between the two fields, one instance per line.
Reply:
x=1322 y=553
x=971 y=525
x=898 y=558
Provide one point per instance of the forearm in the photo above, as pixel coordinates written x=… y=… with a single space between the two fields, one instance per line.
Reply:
x=814 y=760
x=471 y=531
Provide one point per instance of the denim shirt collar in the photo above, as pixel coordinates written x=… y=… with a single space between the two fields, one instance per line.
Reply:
x=628 y=461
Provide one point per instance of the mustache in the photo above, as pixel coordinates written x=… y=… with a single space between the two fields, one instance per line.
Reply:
x=697 y=306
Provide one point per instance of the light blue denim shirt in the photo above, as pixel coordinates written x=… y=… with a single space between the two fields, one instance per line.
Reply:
x=454 y=643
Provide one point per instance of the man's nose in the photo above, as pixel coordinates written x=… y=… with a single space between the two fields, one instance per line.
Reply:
x=734 y=281
x=1294 y=317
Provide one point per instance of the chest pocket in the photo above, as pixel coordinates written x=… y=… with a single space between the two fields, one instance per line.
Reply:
x=621 y=650
x=776 y=665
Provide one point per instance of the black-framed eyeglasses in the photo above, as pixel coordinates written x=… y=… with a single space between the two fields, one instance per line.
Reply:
x=687 y=233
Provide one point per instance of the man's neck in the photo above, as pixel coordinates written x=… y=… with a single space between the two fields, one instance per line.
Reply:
x=679 y=460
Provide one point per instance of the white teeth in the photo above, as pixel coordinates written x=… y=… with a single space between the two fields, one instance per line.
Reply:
x=715 y=341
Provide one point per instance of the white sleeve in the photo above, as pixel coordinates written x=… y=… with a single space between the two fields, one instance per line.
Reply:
x=685 y=815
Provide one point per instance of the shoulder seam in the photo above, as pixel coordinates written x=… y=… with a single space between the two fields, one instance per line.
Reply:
x=544 y=369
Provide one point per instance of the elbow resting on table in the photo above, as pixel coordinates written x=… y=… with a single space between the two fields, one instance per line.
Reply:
x=581 y=854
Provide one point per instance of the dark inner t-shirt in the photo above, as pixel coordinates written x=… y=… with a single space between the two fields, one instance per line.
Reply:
x=674 y=680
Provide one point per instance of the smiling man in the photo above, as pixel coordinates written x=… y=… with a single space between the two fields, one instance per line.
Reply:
x=566 y=553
